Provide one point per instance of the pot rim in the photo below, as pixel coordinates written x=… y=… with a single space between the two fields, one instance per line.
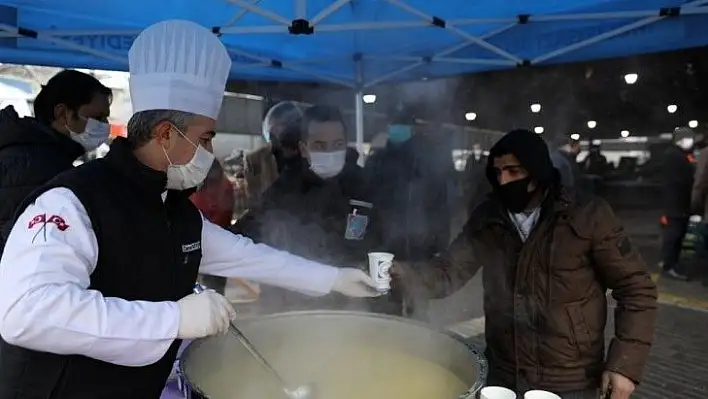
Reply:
x=472 y=348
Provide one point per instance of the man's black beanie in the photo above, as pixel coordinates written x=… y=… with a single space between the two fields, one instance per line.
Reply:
x=531 y=151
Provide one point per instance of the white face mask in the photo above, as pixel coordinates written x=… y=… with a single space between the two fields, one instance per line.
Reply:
x=191 y=174
x=685 y=143
x=95 y=133
x=327 y=164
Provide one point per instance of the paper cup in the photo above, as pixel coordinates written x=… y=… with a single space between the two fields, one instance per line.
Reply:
x=537 y=394
x=497 y=393
x=379 y=266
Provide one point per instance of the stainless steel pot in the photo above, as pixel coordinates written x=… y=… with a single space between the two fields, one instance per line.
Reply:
x=291 y=329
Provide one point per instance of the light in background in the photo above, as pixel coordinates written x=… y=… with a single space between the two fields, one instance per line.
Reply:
x=631 y=78
x=538 y=129
x=624 y=133
x=592 y=124
x=672 y=108
x=535 y=108
x=470 y=116
x=693 y=124
x=369 y=98
x=575 y=136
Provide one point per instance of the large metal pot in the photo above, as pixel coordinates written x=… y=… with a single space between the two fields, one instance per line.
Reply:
x=329 y=329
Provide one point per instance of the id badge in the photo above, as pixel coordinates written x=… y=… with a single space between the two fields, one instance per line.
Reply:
x=356 y=226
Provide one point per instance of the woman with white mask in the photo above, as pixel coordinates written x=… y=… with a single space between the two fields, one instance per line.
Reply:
x=319 y=209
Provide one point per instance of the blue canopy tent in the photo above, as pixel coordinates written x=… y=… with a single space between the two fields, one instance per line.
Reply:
x=357 y=43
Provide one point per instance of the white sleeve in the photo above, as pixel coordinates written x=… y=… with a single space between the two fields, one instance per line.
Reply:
x=235 y=256
x=46 y=304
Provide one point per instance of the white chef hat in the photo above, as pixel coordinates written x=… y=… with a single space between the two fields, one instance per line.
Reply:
x=178 y=65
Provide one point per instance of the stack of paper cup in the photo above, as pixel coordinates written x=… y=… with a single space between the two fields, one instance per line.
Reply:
x=540 y=395
x=379 y=265
x=497 y=393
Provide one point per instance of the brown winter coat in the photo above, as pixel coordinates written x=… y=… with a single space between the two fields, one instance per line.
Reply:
x=261 y=171
x=545 y=300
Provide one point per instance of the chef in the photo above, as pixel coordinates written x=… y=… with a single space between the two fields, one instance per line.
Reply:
x=97 y=273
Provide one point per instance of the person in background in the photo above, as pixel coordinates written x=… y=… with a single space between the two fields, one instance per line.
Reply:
x=215 y=200
x=477 y=157
x=677 y=170
x=318 y=209
x=564 y=154
x=595 y=163
x=98 y=273
x=70 y=118
x=412 y=198
x=549 y=257
x=262 y=166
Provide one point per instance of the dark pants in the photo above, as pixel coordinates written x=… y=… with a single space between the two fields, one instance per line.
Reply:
x=673 y=235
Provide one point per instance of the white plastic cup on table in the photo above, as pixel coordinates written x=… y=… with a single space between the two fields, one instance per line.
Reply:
x=538 y=394
x=497 y=393
x=380 y=264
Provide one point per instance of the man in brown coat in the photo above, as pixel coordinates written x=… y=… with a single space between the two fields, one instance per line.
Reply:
x=549 y=259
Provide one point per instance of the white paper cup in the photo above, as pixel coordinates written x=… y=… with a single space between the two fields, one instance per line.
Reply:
x=497 y=393
x=538 y=394
x=379 y=269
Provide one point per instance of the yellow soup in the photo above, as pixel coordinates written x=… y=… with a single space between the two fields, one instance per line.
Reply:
x=354 y=372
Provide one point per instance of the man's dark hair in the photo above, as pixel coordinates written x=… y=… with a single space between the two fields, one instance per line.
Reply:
x=69 y=87
x=320 y=113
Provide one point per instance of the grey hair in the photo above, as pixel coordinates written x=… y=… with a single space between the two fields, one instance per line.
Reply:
x=142 y=124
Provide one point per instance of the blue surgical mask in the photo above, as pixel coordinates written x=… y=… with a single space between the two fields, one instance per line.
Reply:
x=399 y=133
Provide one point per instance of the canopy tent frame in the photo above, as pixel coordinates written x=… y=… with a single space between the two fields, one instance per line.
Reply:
x=359 y=82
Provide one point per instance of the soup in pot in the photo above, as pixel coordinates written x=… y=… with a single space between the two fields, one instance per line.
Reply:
x=340 y=372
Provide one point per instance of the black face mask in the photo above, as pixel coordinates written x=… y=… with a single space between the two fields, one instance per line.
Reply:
x=515 y=195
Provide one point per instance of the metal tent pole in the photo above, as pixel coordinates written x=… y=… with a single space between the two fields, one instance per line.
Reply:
x=359 y=109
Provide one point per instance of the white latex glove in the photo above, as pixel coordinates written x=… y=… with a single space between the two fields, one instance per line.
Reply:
x=204 y=314
x=355 y=283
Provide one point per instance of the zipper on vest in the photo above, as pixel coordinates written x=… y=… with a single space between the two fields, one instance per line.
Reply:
x=173 y=244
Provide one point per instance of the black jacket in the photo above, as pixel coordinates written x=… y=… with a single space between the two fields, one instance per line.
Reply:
x=307 y=216
x=677 y=182
x=142 y=256
x=31 y=154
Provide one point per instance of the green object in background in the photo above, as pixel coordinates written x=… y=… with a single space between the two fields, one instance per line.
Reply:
x=694 y=240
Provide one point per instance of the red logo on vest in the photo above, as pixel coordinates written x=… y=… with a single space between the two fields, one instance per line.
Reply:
x=54 y=219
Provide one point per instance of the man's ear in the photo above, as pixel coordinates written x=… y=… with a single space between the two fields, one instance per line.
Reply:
x=162 y=133
x=303 y=150
x=61 y=114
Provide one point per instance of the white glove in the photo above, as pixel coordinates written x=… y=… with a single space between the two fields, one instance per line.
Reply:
x=355 y=283
x=204 y=314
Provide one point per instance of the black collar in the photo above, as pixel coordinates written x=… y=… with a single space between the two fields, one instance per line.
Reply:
x=147 y=179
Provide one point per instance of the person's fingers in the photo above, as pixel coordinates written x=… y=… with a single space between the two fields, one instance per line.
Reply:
x=366 y=279
x=225 y=311
x=362 y=291
x=605 y=385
